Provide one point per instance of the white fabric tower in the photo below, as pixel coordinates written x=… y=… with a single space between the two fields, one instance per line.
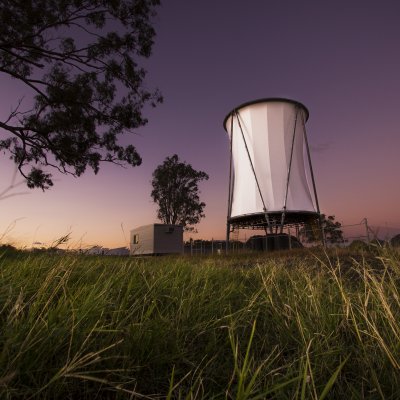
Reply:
x=270 y=165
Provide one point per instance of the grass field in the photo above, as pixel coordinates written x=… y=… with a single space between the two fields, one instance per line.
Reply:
x=301 y=325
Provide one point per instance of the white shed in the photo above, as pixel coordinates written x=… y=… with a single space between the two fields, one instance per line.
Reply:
x=157 y=239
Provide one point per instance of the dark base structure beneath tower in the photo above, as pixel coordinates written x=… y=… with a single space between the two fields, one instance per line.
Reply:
x=274 y=224
x=273 y=220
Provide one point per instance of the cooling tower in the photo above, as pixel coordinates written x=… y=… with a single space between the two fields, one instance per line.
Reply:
x=271 y=179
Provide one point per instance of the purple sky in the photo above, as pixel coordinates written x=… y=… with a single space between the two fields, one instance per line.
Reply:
x=340 y=59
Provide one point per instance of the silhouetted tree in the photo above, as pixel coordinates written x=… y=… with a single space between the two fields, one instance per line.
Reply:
x=79 y=60
x=7 y=248
x=176 y=192
x=332 y=231
x=395 y=241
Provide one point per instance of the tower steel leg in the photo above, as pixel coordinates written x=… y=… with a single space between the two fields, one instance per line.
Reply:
x=228 y=231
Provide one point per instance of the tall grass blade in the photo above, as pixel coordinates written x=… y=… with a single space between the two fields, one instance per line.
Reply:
x=332 y=379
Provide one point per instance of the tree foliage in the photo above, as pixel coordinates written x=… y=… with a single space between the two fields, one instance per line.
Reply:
x=176 y=192
x=331 y=228
x=78 y=59
x=395 y=240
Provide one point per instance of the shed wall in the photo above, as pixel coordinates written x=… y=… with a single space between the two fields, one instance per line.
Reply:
x=146 y=240
x=157 y=239
x=168 y=239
